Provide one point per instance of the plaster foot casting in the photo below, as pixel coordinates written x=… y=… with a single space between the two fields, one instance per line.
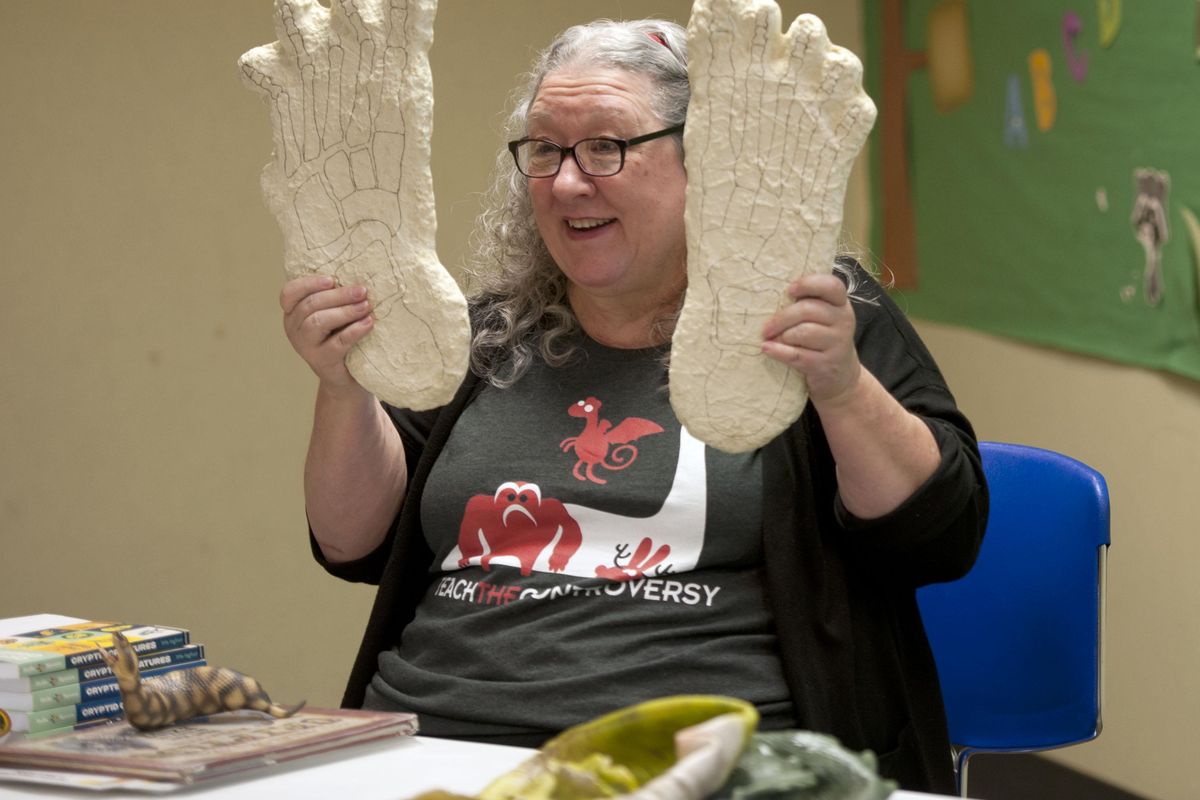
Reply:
x=351 y=102
x=773 y=127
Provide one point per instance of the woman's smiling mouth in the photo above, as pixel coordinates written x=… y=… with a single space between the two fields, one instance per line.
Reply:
x=587 y=224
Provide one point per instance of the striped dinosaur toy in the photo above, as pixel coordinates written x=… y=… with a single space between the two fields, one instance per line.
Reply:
x=183 y=694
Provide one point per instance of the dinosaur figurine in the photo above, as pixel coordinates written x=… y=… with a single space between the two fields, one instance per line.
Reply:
x=183 y=694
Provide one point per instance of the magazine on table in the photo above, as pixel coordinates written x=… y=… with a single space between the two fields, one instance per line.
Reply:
x=202 y=749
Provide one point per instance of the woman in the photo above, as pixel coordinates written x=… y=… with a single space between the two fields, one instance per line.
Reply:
x=552 y=544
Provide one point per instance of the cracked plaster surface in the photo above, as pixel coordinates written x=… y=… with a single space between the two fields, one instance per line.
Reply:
x=775 y=122
x=351 y=101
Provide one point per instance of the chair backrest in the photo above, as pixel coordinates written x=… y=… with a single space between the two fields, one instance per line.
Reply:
x=1018 y=640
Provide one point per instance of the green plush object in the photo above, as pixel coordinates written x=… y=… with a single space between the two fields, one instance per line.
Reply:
x=802 y=765
x=619 y=754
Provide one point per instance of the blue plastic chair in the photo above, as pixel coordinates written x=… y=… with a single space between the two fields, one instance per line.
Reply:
x=1018 y=640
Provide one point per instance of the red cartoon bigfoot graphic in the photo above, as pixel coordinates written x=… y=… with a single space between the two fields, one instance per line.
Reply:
x=516 y=521
x=592 y=445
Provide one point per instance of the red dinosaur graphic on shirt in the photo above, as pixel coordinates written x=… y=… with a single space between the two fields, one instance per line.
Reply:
x=592 y=445
x=517 y=521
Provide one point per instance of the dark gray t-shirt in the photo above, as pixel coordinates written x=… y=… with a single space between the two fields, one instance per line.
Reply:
x=588 y=554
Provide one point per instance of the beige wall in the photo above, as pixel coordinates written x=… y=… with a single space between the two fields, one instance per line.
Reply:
x=154 y=417
x=1141 y=429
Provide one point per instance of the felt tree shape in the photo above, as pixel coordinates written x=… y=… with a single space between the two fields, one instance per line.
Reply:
x=773 y=127
x=950 y=63
x=351 y=102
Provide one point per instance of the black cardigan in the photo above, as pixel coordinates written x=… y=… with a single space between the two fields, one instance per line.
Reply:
x=842 y=590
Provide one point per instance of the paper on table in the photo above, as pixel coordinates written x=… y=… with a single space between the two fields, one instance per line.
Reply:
x=10 y=626
x=84 y=780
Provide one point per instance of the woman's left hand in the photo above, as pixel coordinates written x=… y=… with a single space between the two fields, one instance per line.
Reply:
x=815 y=336
x=883 y=452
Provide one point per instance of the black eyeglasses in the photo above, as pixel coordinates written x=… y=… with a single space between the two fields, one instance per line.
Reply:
x=599 y=157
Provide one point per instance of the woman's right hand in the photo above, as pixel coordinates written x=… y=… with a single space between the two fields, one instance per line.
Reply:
x=355 y=474
x=323 y=321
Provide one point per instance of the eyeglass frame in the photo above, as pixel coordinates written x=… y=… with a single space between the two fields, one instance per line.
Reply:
x=622 y=145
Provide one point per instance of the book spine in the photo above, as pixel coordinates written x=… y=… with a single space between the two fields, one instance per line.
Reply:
x=189 y=654
x=168 y=642
x=43 y=698
x=36 y=683
x=35 y=666
x=108 y=687
x=38 y=721
x=71 y=677
x=95 y=700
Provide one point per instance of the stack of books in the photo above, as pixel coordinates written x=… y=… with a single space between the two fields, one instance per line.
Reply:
x=53 y=679
x=57 y=693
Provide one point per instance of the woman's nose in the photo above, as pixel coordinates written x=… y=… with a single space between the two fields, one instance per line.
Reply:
x=571 y=181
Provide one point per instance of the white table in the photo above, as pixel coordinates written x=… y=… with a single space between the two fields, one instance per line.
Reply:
x=391 y=770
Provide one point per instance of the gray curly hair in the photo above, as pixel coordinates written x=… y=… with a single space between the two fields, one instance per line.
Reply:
x=519 y=293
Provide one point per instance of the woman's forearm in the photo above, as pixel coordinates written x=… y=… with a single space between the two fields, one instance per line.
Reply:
x=355 y=473
x=884 y=453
